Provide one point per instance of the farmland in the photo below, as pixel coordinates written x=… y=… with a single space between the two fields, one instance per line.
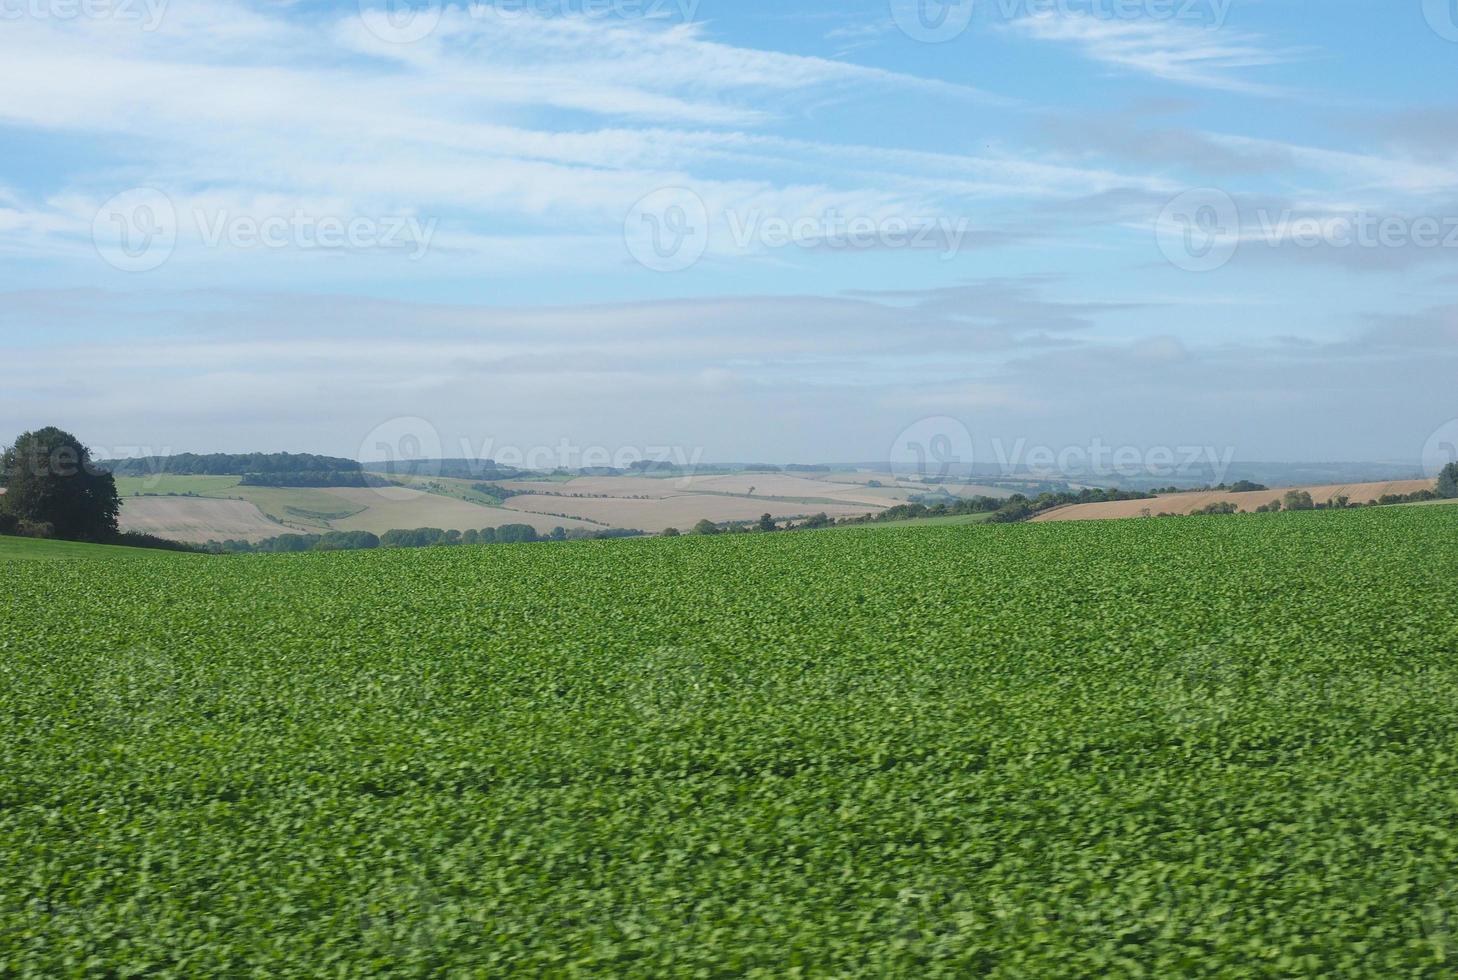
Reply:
x=1189 y=503
x=202 y=508
x=1206 y=747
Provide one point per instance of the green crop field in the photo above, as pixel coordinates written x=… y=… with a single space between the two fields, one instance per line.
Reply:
x=1207 y=747
x=24 y=549
x=202 y=486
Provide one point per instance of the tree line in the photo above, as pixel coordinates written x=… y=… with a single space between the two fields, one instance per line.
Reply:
x=420 y=537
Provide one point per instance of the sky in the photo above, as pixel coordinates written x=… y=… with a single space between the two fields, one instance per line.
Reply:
x=747 y=230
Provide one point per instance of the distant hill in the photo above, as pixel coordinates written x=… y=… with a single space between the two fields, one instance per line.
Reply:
x=255 y=469
x=451 y=469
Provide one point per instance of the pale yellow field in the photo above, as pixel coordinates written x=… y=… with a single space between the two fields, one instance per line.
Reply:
x=681 y=512
x=763 y=484
x=198 y=519
x=1188 y=503
x=600 y=486
x=396 y=507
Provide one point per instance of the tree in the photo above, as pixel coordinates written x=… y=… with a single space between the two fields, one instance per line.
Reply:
x=670 y=532
x=50 y=479
x=706 y=526
x=1299 y=500
x=1448 y=482
x=767 y=523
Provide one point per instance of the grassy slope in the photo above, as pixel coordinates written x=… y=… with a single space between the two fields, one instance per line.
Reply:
x=1205 y=747
x=203 y=486
x=23 y=549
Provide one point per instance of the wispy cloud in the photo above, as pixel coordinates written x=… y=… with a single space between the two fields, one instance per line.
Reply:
x=1205 y=57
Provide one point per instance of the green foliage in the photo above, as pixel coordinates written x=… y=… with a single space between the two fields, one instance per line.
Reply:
x=705 y=526
x=51 y=480
x=251 y=465
x=1298 y=500
x=1143 y=748
x=313 y=478
x=1448 y=482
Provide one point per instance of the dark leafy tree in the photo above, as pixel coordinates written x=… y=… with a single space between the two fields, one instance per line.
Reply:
x=1448 y=482
x=50 y=479
x=1299 y=500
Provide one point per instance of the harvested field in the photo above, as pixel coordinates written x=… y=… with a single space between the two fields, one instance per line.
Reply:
x=198 y=519
x=601 y=486
x=681 y=512
x=1188 y=503
x=396 y=507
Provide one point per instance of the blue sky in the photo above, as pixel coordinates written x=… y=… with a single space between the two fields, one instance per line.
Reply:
x=235 y=226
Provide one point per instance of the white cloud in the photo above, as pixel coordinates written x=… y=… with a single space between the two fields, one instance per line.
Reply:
x=1205 y=57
